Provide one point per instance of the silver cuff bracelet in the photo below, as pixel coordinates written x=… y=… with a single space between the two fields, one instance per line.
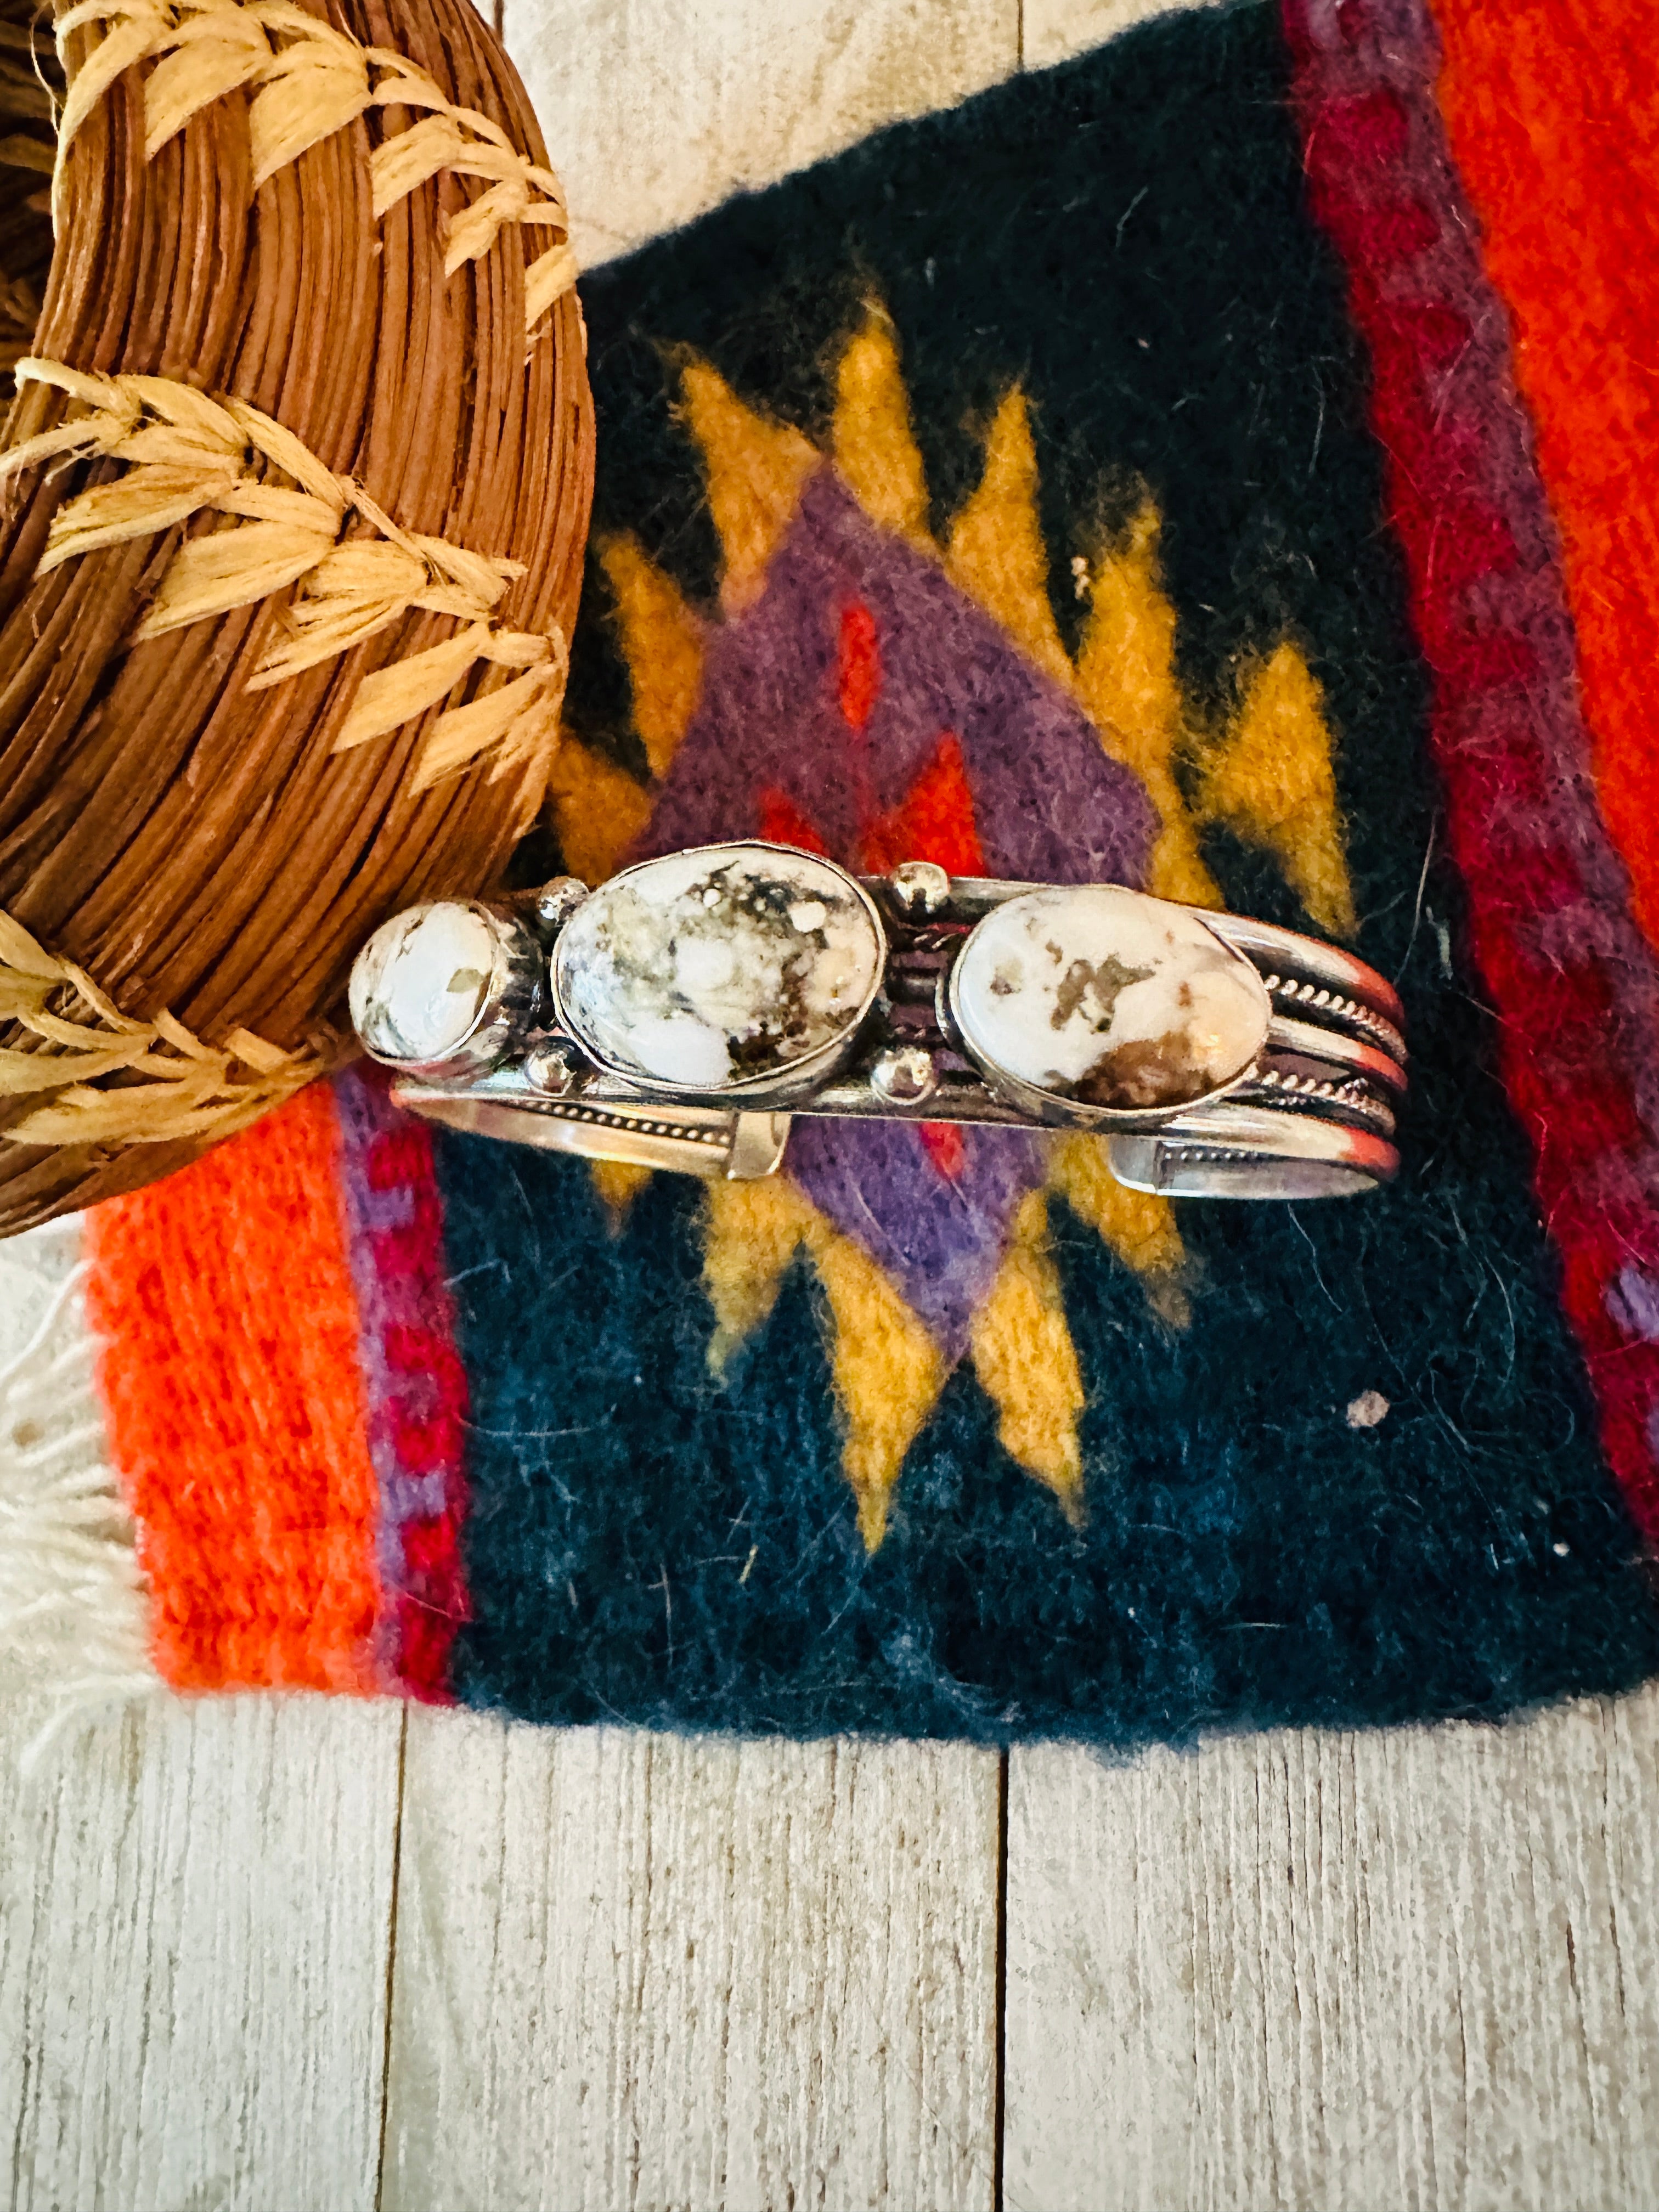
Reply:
x=680 y=1014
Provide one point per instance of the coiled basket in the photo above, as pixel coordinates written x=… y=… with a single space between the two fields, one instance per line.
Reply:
x=293 y=498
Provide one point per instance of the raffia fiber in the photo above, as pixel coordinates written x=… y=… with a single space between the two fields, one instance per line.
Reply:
x=306 y=82
x=302 y=262
x=174 y=1088
x=188 y=454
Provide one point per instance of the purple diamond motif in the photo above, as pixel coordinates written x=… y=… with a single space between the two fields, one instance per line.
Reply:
x=1049 y=805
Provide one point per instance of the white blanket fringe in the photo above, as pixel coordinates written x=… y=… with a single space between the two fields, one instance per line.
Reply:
x=73 y=1612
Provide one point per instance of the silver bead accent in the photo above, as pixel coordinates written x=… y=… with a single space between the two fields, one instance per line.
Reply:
x=550 y=906
x=905 y=1076
x=920 y=888
x=551 y=1069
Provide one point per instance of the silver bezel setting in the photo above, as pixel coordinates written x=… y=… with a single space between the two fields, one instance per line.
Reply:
x=774 y=1088
x=512 y=1002
x=1056 y=1111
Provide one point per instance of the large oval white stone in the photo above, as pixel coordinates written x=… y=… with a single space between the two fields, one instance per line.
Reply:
x=1091 y=993
x=418 y=984
x=710 y=970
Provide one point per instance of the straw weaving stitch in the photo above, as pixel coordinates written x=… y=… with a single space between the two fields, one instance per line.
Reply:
x=1182 y=468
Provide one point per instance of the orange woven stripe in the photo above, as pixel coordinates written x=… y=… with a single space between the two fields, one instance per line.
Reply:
x=236 y=1412
x=1552 y=110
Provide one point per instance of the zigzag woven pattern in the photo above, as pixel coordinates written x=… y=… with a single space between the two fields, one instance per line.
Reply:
x=1128 y=475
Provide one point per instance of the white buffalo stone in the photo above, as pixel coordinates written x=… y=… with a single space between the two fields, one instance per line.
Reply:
x=1091 y=993
x=418 y=984
x=709 y=969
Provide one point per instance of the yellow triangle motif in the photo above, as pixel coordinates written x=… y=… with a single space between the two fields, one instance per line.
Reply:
x=889 y=1373
x=618 y=1183
x=1272 y=783
x=597 y=809
x=1125 y=680
x=1270 y=779
x=874 y=449
x=888 y=1370
x=1137 y=1226
x=996 y=552
x=662 y=643
x=754 y=471
x=1025 y=1357
x=751 y=1231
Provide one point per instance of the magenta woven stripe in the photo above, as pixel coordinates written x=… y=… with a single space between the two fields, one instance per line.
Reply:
x=414 y=1384
x=1571 y=977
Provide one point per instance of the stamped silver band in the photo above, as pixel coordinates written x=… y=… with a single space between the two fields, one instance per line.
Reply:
x=701 y=1140
x=678 y=1016
x=1240 y=1152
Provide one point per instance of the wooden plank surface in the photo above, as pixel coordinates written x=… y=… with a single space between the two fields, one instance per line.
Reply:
x=195 y=1904
x=1416 y=1968
x=1053 y=30
x=655 y=110
x=665 y=1971
x=1294 y=1971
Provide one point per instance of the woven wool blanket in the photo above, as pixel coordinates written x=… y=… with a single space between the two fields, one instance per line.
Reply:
x=1228 y=462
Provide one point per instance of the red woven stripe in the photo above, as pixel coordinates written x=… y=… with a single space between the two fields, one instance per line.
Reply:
x=1552 y=107
x=1561 y=957
x=416 y=1384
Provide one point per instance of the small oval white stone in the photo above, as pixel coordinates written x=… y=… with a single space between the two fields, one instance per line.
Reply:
x=1092 y=992
x=418 y=984
x=713 y=969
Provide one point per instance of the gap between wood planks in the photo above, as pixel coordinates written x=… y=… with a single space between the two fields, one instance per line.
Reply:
x=396 y=1877
x=669 y=1970
x=999 y=2115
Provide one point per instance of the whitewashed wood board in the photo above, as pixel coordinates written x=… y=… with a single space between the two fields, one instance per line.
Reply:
x=1293 y=1969
x=1417 y=1968
x=659 y=1971
x=655 y=110
x=195 y=1908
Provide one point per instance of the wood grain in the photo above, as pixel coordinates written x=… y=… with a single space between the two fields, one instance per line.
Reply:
x=1286 y=1970
x=194 y=1913
x=1416 y=1968
x=655 y=110
x=1053 y=30
x=656 y=1971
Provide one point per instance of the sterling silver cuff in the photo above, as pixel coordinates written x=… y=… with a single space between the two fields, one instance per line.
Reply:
x=680 y=1014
